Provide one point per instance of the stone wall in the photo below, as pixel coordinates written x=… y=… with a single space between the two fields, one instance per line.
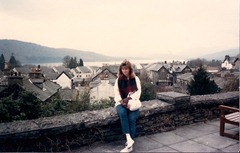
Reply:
x=61 y=133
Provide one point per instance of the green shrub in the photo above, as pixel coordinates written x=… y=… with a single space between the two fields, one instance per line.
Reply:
x=24 y=106
x=201 y=84
x=148 y=91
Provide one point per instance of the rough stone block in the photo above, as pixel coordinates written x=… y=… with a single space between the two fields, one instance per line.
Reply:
x=173 y=97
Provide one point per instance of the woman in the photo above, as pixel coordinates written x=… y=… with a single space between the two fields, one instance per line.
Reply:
x=127 y=86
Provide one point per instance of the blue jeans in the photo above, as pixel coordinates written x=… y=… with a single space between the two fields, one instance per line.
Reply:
x=128 y=120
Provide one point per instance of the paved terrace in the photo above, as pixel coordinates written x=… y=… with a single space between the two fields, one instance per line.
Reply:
x=198 y=137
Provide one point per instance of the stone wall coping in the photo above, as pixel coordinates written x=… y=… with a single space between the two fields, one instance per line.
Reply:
x=173 y=94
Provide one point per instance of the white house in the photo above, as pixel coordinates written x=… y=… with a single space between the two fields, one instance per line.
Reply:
x=64 y=79
x=81 y=72
x=103 y=90
x=101 y=86
x=231 y=63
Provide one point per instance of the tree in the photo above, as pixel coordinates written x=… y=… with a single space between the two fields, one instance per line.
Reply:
x=2 y=62
x=30 y=105
x=148 y=91
x=216 y=63
x=72 y=63
x=13 y=62
x=75 y=62
x=66 y=61
x=82 y=101
x=80 y=62
x=144 y=76
x=201 y=84
x=195 y=63
x=19 y=105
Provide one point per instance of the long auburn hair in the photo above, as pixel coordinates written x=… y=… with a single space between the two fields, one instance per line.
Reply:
x=127 y=64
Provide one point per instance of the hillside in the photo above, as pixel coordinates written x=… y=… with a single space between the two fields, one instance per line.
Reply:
x=221 y=54
x=27 y=52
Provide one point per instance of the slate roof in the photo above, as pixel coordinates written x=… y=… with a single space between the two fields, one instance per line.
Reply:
x=177 y=68
x=51 y=76
x=231 y=60
x=37 y=80
x=152 y=67
x=83 y=69
x=46 y=69
x=99 y=72
x=112 y=68
x=185 y=76
x=43 y=95
x=22 y=70
x=60 y=69
x=51 y=86
x=156 y=66
x=67 y=73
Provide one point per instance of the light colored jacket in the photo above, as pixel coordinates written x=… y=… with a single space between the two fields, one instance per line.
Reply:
x=136 y=95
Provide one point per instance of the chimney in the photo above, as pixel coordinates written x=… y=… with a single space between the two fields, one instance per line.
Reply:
x=15 y=78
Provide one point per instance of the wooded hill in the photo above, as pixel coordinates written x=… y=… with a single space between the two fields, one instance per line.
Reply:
x=26 y=52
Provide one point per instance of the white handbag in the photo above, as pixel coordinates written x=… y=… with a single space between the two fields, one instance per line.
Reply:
x=134 y=104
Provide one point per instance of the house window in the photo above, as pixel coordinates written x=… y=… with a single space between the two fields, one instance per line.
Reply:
x=106 y=75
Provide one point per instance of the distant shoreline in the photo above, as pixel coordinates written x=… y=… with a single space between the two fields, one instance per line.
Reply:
x=99 y=64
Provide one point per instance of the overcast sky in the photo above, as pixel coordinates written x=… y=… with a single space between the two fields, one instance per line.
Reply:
x=124 y=27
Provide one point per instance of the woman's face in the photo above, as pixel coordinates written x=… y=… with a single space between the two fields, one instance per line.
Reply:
x=125 y=70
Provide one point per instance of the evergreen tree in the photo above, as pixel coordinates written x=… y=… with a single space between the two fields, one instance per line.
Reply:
x=201 y=84
x=75 y=62
x=80 y=62
x=71 y=63
x=2 y=62
x=13 y=62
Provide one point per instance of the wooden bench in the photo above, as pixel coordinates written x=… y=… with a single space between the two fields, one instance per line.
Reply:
x=232 y=118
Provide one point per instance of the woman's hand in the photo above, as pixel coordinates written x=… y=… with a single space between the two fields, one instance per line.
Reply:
x=124 y=102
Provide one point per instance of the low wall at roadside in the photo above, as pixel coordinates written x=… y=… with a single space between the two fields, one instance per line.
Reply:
x=70 y=131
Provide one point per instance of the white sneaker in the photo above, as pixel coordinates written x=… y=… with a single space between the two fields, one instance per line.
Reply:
x=127 y=149
x=129 y=143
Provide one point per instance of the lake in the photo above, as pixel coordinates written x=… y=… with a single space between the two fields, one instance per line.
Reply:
x=100 y=64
